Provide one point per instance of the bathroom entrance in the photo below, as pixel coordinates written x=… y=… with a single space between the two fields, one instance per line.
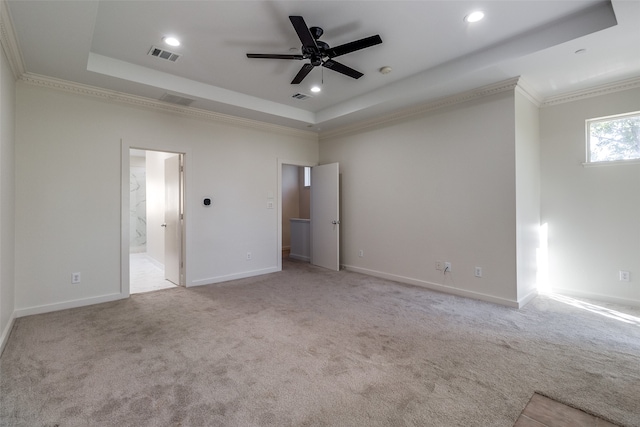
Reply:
x=296 y=206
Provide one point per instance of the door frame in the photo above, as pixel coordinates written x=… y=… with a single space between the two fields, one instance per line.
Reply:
x=282 y=162
x=125 y=146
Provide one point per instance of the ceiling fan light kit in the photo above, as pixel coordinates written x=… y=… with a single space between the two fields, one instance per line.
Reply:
x=318 y=52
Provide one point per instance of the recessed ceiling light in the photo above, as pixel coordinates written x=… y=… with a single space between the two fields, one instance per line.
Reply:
x=474 y=16
x=315 y=89
x=171 y=41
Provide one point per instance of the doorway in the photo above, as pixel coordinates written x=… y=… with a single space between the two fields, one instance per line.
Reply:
x=296 y=212
x=320 y=231
x=155 y=220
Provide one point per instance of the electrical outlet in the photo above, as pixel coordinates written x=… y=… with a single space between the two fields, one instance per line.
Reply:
x=478 y=272
x=447 y=267
x=361 y=253
x=439 y=265
x=624 y=276
x=75 y=278
x=248 y=256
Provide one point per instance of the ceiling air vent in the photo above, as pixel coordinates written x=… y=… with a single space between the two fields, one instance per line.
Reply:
x=164 y=54
x=175 y=99
x=301 y=96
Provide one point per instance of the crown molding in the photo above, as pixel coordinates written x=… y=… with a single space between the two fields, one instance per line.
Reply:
x=148 y=103
x=619 y=86
x=407 y=113
x=9 y=41
x=529 y=92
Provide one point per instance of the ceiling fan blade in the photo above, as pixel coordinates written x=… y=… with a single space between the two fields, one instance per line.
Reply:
x=306 y=69
x=353 y=46
x=274 y=56
x=341 y=68
x=303 y=32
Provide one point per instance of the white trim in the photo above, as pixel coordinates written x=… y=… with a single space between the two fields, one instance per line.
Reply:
x=4 y=338
x=155 y=262
x=406 y=113
x=527 y=298
x=235 y=276
x=109 y=95
x=594 y=296
x=300 y=257
x=611 y=163
x=529 y=92
x=440 y=288
x=9 y=41
x=599 y=90
x=48 y=308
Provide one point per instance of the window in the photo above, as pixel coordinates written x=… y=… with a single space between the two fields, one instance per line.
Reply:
x=615 y=138
x=307 y=176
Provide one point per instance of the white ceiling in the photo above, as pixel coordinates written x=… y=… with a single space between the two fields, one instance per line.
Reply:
x=432 y=51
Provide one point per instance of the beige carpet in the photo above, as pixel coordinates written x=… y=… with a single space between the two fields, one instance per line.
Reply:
x=310 y=347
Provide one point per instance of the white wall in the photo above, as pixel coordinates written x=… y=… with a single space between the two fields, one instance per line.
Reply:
x=438 y=187
x=68 y=193
x=7 y=198
x=527 y=194
x=593 y=213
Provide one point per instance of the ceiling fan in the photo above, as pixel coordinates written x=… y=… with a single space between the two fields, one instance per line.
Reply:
x=318 y=52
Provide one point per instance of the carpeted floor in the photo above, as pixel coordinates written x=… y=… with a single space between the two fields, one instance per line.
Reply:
x=311 y=347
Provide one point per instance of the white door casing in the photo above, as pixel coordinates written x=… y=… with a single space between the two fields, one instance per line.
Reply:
x=173 y=219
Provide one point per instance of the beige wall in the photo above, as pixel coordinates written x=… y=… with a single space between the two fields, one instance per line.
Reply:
x=592 y=213
x=69 y=193
x=7 y=198
x=457 y=184
x=436 y=187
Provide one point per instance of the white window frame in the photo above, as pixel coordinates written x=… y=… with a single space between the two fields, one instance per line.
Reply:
x=307 y=176
x=588 y=123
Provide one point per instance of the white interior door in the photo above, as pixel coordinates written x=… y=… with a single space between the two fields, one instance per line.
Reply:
x=172 y=219
x=325 y=216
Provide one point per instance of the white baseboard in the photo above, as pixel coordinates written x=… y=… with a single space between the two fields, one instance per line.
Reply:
x=300 y=257
x=527 y=298
x=155 y=262
x=6 y=332
x=597 y=297
x=29 y=311
x=235 y=276
x=435 y=286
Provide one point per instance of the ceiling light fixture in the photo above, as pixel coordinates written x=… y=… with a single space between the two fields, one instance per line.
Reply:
x=474 y=16
x=315 y=89
x=385 y=70
x=171 y=41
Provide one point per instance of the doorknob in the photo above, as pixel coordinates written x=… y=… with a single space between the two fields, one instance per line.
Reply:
x=163 y=225
x=335 y=222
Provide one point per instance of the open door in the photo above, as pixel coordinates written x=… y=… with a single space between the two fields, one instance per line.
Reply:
x=325 y=216
x=173 y=219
